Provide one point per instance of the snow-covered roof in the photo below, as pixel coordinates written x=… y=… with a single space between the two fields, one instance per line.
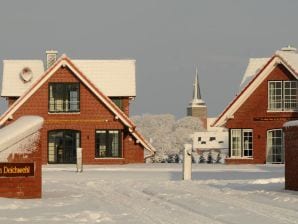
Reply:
x=18 y=130
x=210 y=128
x=12 y=82
x=288 y=57
x=253 y=67
x=112 y=77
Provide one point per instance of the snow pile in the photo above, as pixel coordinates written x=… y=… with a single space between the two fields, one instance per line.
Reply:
x=20 y=137
x=291 y=123
x=268 y=181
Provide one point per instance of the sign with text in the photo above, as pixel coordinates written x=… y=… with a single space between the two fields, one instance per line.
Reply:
x=16 y=169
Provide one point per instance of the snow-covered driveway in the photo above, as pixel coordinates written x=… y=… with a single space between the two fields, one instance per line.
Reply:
x=154 y=193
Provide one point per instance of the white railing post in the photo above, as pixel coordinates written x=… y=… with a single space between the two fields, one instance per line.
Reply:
x=187 y=162
x=79 y=160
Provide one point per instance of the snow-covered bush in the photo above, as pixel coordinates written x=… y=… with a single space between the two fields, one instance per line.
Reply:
x=167 y=134
x=209 y=158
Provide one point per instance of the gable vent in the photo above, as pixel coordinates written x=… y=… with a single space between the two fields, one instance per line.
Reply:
x=26 y=74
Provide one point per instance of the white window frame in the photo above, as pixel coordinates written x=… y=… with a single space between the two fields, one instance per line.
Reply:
x=238 y=150
x=292 y=101
x=284 y=99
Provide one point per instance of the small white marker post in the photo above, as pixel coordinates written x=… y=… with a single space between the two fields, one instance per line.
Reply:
x=187 y=162
x=79 y=160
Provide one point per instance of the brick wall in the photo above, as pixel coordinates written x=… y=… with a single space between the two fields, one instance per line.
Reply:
x=253 y=115
x=291 y=158
x=93 y=115
x=199 y=112
x=24 y=187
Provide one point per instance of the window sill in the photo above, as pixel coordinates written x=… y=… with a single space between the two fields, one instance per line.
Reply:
x=70 y=113
x=282 y=111
x=251 y=158
x=108 y=158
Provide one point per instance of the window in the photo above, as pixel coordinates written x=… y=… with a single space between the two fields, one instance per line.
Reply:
x=62 y=146
x=290 y=95
x=282 y=95
x=108 y=143
x=241 y=143
x=275 y=149
x=118 y=102
x=64 y=97
x=199 y=139
x=212 y=139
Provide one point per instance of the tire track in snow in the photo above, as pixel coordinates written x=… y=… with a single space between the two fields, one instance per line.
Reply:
x=189 y=215
x=239 y=203
x=155 y=210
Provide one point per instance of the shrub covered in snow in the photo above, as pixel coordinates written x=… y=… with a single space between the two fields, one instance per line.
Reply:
x=167 y=134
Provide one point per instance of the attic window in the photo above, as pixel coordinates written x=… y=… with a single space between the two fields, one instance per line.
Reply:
x=64 y=97
x=26 y=74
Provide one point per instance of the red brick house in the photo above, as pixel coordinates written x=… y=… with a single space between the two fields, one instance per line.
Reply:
x=267 y=99
x=85 y=103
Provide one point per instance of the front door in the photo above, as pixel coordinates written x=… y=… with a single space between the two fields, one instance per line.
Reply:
x=62 y=145
x=275 y=148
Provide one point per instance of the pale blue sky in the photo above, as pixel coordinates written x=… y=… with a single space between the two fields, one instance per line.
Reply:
x=168 y=38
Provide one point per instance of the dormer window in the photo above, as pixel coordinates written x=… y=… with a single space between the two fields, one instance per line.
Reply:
x=64 y=97
x=118 y=102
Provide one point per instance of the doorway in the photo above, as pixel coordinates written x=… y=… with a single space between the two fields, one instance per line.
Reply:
x=275 y=146
x=62 y=145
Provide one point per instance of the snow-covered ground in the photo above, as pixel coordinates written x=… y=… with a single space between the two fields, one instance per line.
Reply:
x=154 y=193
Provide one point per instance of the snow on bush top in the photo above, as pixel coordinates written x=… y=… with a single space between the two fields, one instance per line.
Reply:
x=167 y=134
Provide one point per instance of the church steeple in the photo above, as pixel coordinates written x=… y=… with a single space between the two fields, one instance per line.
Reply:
x=197 y=100
x=197 y=106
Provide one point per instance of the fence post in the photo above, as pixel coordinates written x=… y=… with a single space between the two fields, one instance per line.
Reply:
x=187 y=162
x=79 y=160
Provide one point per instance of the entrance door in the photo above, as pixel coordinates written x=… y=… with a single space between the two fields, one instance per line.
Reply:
x=275 y=149
x=62 y=145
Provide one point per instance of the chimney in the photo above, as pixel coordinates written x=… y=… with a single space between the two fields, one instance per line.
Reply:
x=289 y=48
x=51 y=57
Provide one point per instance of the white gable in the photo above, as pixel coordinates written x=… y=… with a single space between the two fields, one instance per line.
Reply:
x=12 y=82
x=112 y=77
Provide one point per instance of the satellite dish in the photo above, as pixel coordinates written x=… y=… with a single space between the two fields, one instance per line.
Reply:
x=26 y=74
